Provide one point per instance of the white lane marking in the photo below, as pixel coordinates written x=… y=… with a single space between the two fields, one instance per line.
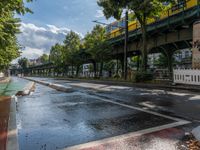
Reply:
x=124 y=136
x=139 y=109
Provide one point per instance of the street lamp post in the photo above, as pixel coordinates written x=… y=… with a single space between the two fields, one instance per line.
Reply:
x=125 y=41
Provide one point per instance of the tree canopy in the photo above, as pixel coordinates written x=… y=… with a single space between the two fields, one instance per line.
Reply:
x=76 y=51
x=97 y=46
x=96 y=43
x=23 y=62
x=9 y=27
x=72 y=45
x=56 y=54
x=44 y=58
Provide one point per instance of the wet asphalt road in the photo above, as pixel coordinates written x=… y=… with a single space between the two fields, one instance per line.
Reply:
x=182 y=104
x=50 y=120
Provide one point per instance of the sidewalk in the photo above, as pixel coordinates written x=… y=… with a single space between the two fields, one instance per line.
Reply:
x=8 y=128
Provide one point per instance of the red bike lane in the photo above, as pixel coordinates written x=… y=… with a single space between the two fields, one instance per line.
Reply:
x=4 y=117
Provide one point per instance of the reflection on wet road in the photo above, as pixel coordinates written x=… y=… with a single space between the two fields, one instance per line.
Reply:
x=51 y=120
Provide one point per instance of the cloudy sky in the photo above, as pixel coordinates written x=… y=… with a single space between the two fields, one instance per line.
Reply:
x=52 y=20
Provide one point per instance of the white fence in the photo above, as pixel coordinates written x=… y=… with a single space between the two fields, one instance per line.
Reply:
x=187 y=76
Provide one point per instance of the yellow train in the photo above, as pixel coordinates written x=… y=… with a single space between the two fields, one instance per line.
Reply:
x=113 y=29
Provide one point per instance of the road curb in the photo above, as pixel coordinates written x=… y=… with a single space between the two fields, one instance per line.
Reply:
x=27 y=89
x=12 y=136
x=57 y=87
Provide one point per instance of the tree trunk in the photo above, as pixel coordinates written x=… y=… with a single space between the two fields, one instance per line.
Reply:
x=72 y=69
x=95 y=68
x=144 y=48
x=77 y=70
x=169 y=55
x=66 y=70
x=101 y=69
x=63 y=73
x=117 y=67
x=54 y=72
x=170 y=63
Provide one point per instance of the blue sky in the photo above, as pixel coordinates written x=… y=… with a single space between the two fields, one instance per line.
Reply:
x=73 y=14
x=52 y=20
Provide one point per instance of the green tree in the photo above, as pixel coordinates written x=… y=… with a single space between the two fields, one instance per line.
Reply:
x=23 y=62
x=56 y=57
x=44 y=58
x=56 y=54
x=9 y=27
x=143 y=10
x=72 y=46
x=97 y=46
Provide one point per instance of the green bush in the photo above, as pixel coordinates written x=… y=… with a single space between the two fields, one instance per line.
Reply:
x=143 y=76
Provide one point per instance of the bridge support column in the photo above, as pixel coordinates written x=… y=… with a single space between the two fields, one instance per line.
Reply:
x=196 y=45
x=43 y=72
x=40 y=72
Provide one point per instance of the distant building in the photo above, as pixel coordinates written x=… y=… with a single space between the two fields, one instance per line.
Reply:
x=87 y=70
x=183 y=59
x=152 y=58
x=34 y=62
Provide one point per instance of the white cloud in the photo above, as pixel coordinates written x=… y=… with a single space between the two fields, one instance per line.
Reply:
x=38 y=40
x=99 y=14
x=32 y=53
x=31 y=26
x=57 y=30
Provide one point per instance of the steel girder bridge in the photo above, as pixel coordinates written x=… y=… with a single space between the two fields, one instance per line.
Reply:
x=172 y=33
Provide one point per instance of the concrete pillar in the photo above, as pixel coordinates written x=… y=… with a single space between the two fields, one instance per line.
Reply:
x=196 y=46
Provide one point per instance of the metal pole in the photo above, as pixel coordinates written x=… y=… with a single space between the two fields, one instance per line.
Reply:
x=126 y=45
